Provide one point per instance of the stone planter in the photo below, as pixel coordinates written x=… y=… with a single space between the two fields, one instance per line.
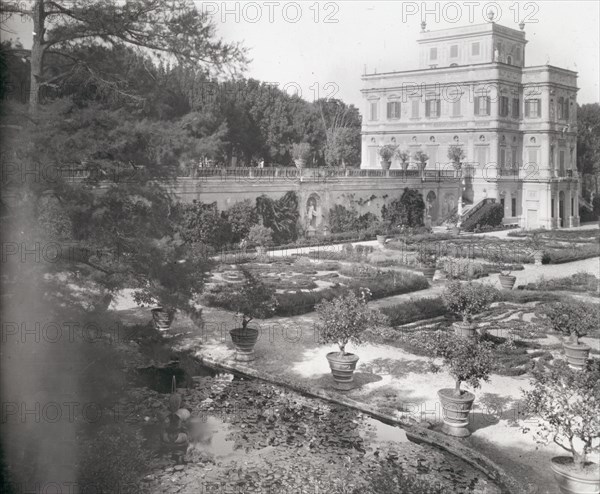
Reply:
x=507 y=282
x=342 y=369
x=464 y=329
x=573 y=481
x=385 y=165
x=244 y=341
x=429 y=272
x=455 y=412
x=381 y=240
x=162 y=318
x=576 y=354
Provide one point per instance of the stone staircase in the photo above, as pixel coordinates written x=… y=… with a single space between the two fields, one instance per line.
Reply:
x=469 y=209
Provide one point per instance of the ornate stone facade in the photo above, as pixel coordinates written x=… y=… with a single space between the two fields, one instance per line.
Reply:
x=515 y=124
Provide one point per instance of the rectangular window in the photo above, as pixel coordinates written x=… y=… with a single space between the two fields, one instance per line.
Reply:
x=393 y=110
x=566 y=111
x=515 y=108
x=552 y=207
x=513 y=206
x=481 y=155
x=432 y=153
x=456 y=109
x=432 y=108
x=454 y=51
x=532 y=155
x=373 y=111
x=433 y=54
x=561 y=107
x=533 y=108
x=415 y=108
x=482 y=105
x=514 y=158
x=504 y=106
x=502 y=204
x=572 y=206
x=502 y=158
x=475 y=49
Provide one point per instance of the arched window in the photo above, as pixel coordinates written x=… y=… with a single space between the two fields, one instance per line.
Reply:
x=509 y=60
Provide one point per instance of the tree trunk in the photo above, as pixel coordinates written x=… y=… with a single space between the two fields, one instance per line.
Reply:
x=37 y=56
x=457 y=391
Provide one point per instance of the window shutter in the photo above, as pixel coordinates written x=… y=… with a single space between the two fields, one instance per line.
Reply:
x=438 y=105
x=487 y=105
x=527 y=108
x=477 y=105
x=389 y=110
x=538 y=107
x=427 y=108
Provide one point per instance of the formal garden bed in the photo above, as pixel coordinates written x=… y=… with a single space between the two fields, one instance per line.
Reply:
x=300 y=285
x=579 y=282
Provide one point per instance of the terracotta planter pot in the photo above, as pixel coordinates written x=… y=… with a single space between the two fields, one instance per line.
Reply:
x=507 y=282
x=576 y=354
x=244 y=341
x=162 y=318
x=455 y=412
x=464 y=329
x=385 y=165
x=381 y=239
x=572 y=481
x=342 y=369
x=429 y=272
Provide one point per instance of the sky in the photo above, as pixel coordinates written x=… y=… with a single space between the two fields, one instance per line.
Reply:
x=321 y=49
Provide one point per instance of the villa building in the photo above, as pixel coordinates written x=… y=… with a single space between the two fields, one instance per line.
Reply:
x=515 y=124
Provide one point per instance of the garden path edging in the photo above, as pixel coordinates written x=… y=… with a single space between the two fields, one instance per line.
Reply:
x=414 y=432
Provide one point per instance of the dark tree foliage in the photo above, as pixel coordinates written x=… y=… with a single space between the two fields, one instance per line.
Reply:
x=406 y=210
x=281 y=215
x=342 y=219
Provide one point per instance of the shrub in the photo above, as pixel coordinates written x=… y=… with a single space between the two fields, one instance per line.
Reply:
x=301 y=151
x=387 y=152
x=414 y=310
x=407 y=210
x=574 y=319
x=568 y=402
x=466 y=359
x=342 y=219
x=462 y=269
x=468 y=299
x=241 y=217
x=578 y=282
x=280 y=215
x=343 y=319
x=260 y=235
x=202 y=223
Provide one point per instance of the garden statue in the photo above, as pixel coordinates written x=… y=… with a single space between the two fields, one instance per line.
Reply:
x=312 y=213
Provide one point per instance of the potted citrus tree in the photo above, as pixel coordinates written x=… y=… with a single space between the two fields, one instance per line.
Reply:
x=342 y=321
x=300 y=154
x=421 y=158
x=456 y=155
x=428 y=262
x=261 y=236
x=573 y=319
x=466 y=300
x=404 y=158
x=387 y=153
x=467 y=361
x=507 y=281
x=250 y=300
x=568 y=403
x=536 y=247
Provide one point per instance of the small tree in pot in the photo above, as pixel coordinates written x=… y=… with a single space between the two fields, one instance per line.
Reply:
x=506 y=280
x=261 y=236
x=456 y=155
x=568 y=403
x=342 y=321
x=467 y=300
x=421 y=158
x=387 y=152
x=468 y=361
x=536 y=247
x=573 y=319
x=404 y=157
x=251 y=300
